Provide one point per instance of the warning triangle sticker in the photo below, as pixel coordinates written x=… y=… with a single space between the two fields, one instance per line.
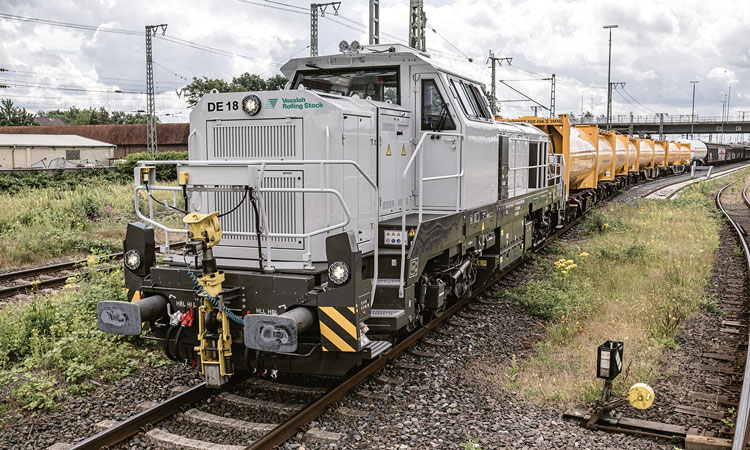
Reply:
x=411 y=232
x=388 y=152
x=403 y=149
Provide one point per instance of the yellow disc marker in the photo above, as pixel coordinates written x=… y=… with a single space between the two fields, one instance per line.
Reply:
x=641 y=396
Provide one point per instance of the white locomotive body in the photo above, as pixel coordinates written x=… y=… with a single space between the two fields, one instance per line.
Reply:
x=352 y=205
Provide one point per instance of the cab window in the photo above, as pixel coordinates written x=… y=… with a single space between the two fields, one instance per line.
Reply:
x=435 y=114
x=481 y=101
x=472 y=101
x=376 y=83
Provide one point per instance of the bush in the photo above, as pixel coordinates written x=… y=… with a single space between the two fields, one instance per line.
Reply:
x=15 y=182
x=163 y=173
x=60 y=338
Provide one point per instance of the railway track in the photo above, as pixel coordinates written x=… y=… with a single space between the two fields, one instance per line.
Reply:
x=726 y=375
x=45 y=277
x=307 y=413
x=673 y=188
x=740 y=221
x=273 y=434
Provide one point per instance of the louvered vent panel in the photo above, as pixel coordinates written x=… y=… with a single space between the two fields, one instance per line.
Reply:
x=250 y=140
x=284 y=211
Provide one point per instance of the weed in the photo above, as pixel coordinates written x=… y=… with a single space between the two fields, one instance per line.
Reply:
x=711 y=304
x=730 y=417
x=512 y=371
x=738 y=251
x=636 y=277
x=37 y=392
x=155 y=359
x=48 y=343
x=78 y=220
x=471 y=445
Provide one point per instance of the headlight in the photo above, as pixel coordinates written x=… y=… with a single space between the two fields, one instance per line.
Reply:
x=251 y=104
x=338 y=272
x=133 y=259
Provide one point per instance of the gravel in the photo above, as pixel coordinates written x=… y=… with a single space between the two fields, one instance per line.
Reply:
x=76 y=416
x=444 y=401
x=455 y=399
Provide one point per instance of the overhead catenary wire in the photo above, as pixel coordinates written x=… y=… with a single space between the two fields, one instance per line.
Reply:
x=634 y=99
x=629 y=101
x=167 y=38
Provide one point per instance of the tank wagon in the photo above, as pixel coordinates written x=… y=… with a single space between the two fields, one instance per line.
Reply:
x=599 y=163
x=325 y=221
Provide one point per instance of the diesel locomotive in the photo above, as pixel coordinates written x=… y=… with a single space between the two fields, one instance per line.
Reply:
x=325 y=221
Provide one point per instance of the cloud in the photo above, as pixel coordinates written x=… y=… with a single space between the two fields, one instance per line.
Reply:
x=657 y=49
x=723 y=75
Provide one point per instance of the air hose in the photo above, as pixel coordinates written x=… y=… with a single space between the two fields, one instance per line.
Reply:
x=214 y=301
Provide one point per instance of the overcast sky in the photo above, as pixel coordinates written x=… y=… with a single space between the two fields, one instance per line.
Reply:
x=657 y=50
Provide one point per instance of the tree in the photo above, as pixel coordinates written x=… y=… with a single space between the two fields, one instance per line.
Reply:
x=276 y=83
x=247 y=82
x=243 y=83
x=123 y=118
x=14 y=116
x=92 y=116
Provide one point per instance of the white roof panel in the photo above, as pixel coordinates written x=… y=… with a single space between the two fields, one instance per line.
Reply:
x=49 y=140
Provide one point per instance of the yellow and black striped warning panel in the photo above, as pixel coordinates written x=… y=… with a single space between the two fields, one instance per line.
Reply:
x=338 y=328
x=133 y=295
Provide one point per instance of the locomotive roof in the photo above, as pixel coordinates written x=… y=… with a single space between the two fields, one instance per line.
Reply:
x=370 y=55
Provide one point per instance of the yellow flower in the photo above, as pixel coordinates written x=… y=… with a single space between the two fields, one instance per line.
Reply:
x=584 y=255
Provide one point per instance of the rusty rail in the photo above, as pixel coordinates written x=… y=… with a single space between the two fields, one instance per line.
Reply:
x=143 y=420
x=742 y=424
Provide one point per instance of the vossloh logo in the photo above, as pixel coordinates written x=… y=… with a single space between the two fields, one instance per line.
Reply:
x=271 y=103
x=299 y=103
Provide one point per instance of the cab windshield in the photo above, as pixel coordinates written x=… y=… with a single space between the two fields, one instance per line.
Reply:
x=376 y=83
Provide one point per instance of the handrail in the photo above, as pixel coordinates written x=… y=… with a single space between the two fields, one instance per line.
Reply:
x=677 y=118
x=333 y=192
x=418 y=152
x=262 y=165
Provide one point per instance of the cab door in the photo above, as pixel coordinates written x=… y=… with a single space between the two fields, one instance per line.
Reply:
x=441 y=154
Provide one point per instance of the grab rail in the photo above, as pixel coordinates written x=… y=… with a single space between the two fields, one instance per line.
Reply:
x=420 y=194
x=262 y=165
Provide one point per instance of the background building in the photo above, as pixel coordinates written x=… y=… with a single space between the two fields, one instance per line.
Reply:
x=54 y=151
x=128 y=138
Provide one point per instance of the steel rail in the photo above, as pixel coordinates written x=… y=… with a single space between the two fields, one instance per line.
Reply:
x=742 y=423
x=715 y=175
x=57 y=267
x=284 y=431
x=145 y=419
x=9 y=291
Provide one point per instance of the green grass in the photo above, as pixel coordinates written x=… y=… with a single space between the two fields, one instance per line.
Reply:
x=52 y=345
x=636 y=276
x=41 y=225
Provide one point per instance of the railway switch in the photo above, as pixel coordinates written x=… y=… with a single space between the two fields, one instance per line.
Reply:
x=608 y=367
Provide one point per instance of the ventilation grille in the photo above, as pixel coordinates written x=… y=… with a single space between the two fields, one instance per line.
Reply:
x=255 y=141
x=283 y=209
